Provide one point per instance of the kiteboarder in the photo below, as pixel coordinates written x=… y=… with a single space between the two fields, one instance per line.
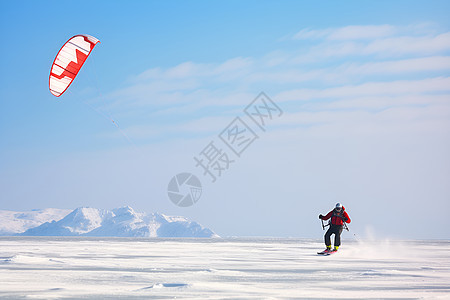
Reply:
x=338 y=219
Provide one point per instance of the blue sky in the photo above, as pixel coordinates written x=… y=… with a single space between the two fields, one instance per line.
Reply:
x=364 y=87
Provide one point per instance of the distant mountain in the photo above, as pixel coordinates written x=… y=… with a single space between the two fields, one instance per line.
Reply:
x=119 y=222
x=13 y=222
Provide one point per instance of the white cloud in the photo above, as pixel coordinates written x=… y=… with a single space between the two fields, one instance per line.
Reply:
x=362 y=32
x=191 y=70
x=409 y=45
x=354 y=75
x=347 y=71
x=347 y=33
x=380 y=102
x=233 y=65
x=395 y=121
x=429 y=85
x=413 y=41
x=199 y=127
x=433 y=63
x=199 y=83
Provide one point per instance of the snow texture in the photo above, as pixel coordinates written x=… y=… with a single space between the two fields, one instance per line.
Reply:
x=145 y=268
x=86 y=221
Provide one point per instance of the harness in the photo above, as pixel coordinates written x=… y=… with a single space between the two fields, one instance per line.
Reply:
x=339 y=215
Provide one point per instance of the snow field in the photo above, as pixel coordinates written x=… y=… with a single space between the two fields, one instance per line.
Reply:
x=139 y=268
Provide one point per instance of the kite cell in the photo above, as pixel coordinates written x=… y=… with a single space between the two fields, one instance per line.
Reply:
x=69 y=61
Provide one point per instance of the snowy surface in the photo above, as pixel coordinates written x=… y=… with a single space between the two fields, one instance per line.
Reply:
x=140 y=268
x=88 y=221
x=12 y=222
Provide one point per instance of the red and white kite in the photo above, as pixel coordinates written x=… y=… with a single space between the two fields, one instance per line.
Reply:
x=69 y=61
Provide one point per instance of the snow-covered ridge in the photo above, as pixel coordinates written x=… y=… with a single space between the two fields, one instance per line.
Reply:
x=13 y=222
x=87 y=221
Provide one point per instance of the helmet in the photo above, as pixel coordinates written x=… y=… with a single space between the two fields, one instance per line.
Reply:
x=338 y=206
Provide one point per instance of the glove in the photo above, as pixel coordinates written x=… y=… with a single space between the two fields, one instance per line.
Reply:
x=320 y=216
x=345 y=219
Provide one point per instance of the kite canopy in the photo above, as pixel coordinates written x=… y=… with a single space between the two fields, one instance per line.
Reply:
x=69 y=61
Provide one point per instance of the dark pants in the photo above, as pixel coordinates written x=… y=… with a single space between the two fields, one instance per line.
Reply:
x=336 y=230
